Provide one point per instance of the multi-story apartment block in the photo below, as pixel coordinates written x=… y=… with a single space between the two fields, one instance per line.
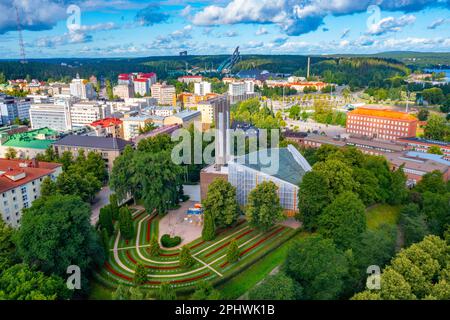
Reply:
x=12 y=108
x=81 y=88
x=132 y=124
x=202 y=88
x=20 y=185
x=53 y=116
x=124 y=91
x=141 y=87
x=381 y=124
x=164 y=94
x=84 y=113
x=109 y=148
x=108 y=127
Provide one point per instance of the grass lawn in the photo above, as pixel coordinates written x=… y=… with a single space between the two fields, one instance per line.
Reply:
x=382 y=213
x=247 y=279
x=99 y=291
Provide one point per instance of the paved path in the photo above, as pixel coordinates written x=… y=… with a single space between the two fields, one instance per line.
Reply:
x=101 y=200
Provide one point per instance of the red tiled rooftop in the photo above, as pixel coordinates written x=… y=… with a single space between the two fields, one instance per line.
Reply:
x=107 y=122
x=383 y=113
x=12 y=167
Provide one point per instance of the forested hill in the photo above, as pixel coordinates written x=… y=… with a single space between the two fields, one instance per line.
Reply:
x=358 y=71
x=411 y=59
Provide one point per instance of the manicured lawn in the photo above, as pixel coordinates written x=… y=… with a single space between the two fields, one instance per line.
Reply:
x=247 y=279
x=382 y=213
x=99 y=291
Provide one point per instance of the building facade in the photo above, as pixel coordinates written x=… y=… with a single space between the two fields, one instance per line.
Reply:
x=202 y=88
x=108 y=148
x=53 y=116
x=20 y=185
x=164 y=94
x=381 y=124
x=84 y=113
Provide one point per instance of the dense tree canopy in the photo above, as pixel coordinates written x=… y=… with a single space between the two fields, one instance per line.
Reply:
x=221 y=203
x=276 y=287
x=56 y=233
x=318 y=267
x=419 y=272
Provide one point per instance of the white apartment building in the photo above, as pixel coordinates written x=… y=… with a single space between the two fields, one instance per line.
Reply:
x=164 y=94
x=52 y=116
x=237 y=88
x=142 y=86
x=131 y=125
x=84 y=113
x=82 y=89
x=20 y=185
x=202 y=88
x=207 y=110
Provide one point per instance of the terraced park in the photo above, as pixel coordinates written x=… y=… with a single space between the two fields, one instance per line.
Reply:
x=211 y=262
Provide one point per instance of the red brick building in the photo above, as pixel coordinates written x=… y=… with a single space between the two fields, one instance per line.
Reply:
x=381 y=124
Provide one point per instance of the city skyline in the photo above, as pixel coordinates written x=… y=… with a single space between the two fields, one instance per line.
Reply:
x=129 y=28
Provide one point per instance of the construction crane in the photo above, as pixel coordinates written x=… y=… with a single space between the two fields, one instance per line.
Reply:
x=21 y=45
x=228 y=64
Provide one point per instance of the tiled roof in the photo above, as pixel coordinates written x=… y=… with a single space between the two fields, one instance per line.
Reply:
x=107 y=122
x=383 y=113
x=31 y=172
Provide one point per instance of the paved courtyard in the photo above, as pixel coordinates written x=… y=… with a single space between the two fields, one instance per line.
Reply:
x=174 y=224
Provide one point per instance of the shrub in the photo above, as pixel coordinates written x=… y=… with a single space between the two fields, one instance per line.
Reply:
x=168 y=242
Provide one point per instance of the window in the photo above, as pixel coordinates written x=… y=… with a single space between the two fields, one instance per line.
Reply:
x=25 y=204
x=23 y=190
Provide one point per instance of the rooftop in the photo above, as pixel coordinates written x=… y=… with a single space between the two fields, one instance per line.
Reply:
x=93 y=142
x=187 y=115
x=107 y=122
x=291 y=165
x=35 y=139
x=427 y=141
x=33 y=170
x=383 y=113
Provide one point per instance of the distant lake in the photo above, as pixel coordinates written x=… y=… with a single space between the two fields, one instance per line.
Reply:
x=447 y=72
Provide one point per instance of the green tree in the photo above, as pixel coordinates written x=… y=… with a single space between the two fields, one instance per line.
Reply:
x=48 y=187
x=435 y=150
x=344 y=220
x=399 y=192
x=126 y=223
x=55 y=233
x=11 y=153
x=221 y=203
x=66 y=159
x=432 y=182
x=154 y=248
x=436 y=128
x=317 y=266
x=413 y=223
x=114 y=207
x=205 y=291
x=263 y=206
x=166 y=292
x=209 y=228
x=105 y=241
x=338 y=174
x=367 y=186
x=106 y=220
x=436 y=208
x=313 y=197
x=417 y=272
x=82 y=184
x=233 y=252
x=140 y=274
x=276 y=287
x=7 y=247
x=20 y=282
x=423 y=114
x=121 y=293
x=186 y=259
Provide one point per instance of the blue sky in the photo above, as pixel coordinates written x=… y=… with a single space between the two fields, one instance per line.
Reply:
x=131 y=28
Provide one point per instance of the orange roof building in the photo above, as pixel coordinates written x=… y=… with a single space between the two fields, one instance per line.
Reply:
x=20 y=185
x=381 y=124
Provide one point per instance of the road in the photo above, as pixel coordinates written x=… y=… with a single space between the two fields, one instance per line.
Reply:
x=101 y=200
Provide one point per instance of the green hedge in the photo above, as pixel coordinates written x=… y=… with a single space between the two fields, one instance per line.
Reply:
x=168 y=242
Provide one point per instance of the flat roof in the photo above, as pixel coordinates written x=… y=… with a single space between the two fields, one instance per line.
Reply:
x=383 y=113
